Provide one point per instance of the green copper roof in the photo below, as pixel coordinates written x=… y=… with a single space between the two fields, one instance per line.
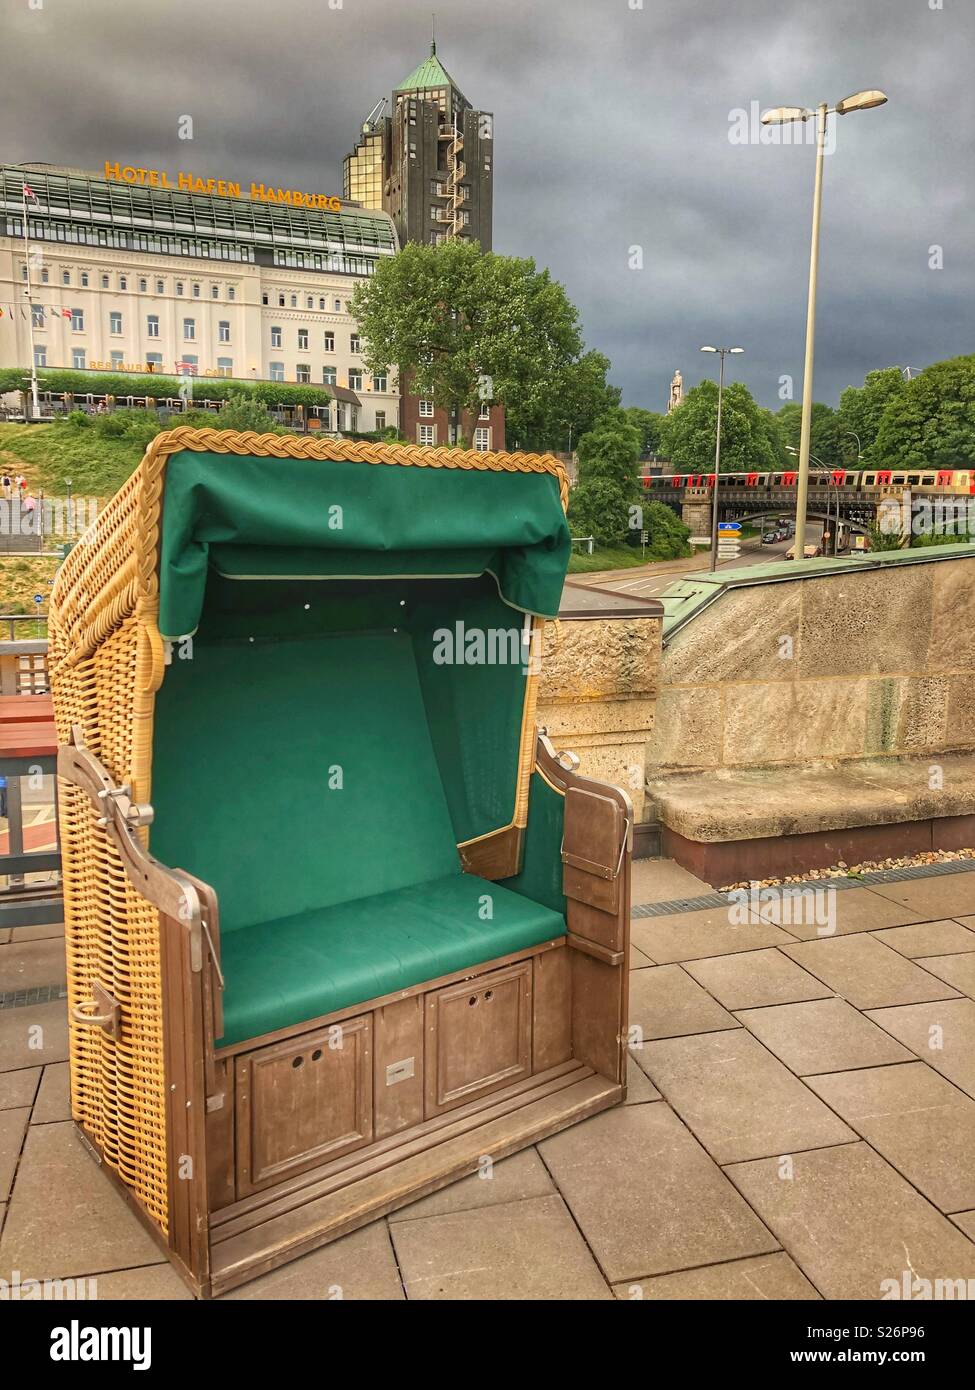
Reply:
x=430 y=73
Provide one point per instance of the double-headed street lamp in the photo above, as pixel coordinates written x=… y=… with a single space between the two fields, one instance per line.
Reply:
x=783 y=115
x=722 y=353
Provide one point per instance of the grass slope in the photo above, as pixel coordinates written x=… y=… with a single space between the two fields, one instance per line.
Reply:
x=48 y=455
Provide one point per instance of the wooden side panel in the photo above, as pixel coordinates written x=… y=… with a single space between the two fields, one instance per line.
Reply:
x=220 y=1136
x=494 y=856
x=398 y=1065
x=185 y=1051
x=599 y=1015
x=302 y=1101
x=478 y=1036
x=551 y=1010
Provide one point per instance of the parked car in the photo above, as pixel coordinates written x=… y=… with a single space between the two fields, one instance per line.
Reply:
x=810 y=551
x=771 y=537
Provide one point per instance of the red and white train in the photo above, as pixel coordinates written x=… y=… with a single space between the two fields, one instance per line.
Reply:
x=851 y=481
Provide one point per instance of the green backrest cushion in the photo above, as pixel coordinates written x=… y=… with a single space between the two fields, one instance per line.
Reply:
x=248 y=736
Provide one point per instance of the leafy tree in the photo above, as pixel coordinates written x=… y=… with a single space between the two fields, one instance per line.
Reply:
x=602 y=502
x=449 y=315
x=241 y=413
x=650 y=424
x=668 y=534
x=861 y=409
x=931 y=422
x=578 y=395
x=824 y=436
x=689 y=432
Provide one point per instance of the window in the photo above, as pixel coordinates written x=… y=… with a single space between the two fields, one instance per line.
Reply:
x=302 y=339
x=190 y=360
x=426 y=408
x=115 y=323
x=179 y=287
x=294 y=301
x=309 y=302
x=355 y=380
x=225 y=366
x=37 y=315
x=196 y=291
x=189 y=330
x=143 y=286
x=65 y=277
x=277 y=371
x=23 y=272
x=84 y=279
x=123 y=283
x=275 y=337
x=40 y=356
x=321 y=304
x=104 y=282
x=425 y=434
x=338 y=306
x=231 y=292
x=264 y=299
x=160 y=287
x=380 y=421
x=303 y=374
x=78 y=321
x=482 y=440
x=78 y=359
x=152 y=326
x=214 y=291
x=329 y=342
x=280 y=301
x=355 y=343
x=117 y=359
x=45 y=277
x=328 y=376
x=379 y=382
x=223 y=331
x=154 y=361
x=485 y=412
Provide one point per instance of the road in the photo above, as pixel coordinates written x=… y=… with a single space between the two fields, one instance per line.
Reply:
x=655 y=578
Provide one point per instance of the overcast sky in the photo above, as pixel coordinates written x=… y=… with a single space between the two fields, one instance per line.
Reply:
x=612 y=127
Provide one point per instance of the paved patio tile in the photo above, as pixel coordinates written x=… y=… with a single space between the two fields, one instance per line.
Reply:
x=19 y=1088
x=694 y=935
x=867 y=973
x=145 y=1284
x=942 y=1034
x=27 y=964
x=822 y=1035
x=929 y=939
x=65 y=1217
x=772 y=1277
x=639 y=960
x=854 y=910
x=33 y=1036
x=13 y=1124
x=665 y=1002
x=357 y=1267
x=639 y=1087
x=53 y=1099
x=663 y=881
x=647 y=1197
x=5 y=935
x=851 y=1222
x=738 y=1099
x=755 y=978
x=514 y=1179
x=965 y=1221
x=919 y=1122
x=510 y=1251
x=44 y=932
x=930 y=899
x=968 y=922
x=958 y=971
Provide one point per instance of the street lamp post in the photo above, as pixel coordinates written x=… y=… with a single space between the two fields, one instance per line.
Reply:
x=783 y=115
x=722 y=353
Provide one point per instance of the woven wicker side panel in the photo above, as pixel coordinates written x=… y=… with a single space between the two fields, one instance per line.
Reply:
x=99 y=680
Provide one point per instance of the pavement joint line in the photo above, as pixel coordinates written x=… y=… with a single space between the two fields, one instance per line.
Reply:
x=876 y=876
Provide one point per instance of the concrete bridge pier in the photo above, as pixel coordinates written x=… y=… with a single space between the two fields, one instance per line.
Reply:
x=695 y=510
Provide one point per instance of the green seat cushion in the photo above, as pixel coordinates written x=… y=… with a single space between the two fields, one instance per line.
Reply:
x=297 y=968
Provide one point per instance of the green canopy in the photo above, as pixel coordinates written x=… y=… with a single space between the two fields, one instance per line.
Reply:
x=270 y=518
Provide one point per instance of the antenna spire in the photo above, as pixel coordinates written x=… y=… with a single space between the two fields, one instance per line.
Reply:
x=433 y=36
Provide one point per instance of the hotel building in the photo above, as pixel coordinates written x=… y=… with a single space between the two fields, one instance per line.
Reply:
x=134 y=277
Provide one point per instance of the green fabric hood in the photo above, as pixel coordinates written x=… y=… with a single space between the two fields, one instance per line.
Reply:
x=253 y=517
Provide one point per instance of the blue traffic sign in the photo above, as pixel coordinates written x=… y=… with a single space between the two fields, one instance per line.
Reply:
x=38 y=598
x=729 y=525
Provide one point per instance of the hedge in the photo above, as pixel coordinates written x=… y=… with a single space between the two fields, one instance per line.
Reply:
x=269 y=393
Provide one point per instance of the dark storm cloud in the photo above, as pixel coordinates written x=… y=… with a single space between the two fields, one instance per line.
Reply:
x=612 y=132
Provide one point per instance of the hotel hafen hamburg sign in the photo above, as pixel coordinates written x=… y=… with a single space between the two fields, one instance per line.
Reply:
x=221 y=188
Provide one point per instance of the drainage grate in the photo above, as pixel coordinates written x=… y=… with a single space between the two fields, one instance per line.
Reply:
x=41 y=994
x=706 y=900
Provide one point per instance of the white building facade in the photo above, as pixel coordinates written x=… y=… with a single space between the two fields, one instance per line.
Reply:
x=140 y=279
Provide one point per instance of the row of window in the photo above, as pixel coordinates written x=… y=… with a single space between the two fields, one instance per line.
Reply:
x=427 y=434
x=115 y=324
x=323 y=303
x=122 y=283
x=328 y=339
x=356 y=376
x=426 y=410
x=154 y=360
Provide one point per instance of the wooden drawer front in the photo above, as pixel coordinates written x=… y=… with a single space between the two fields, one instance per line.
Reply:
x=478 y=1036
x=302 y=1101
